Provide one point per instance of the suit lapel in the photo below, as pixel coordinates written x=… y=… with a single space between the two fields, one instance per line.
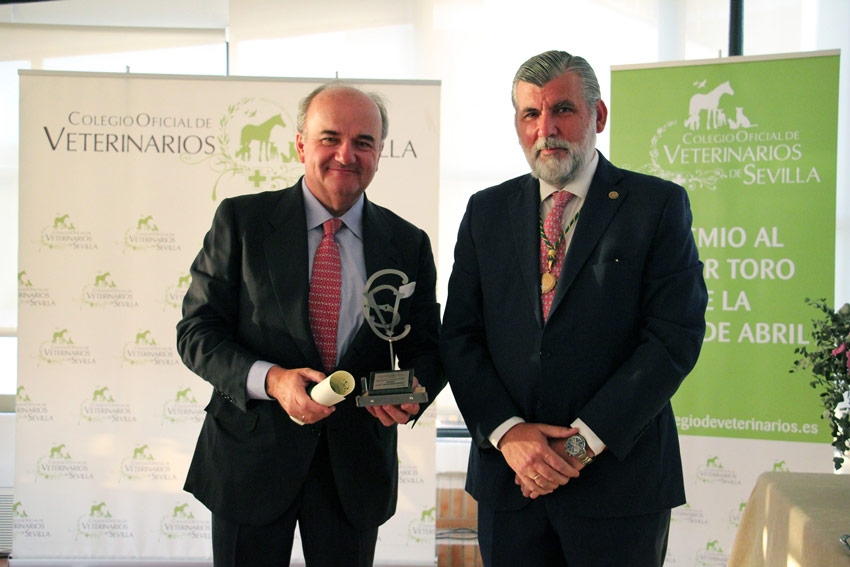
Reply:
x=380 y=251
x=524 y=213
x=603 y=200
x=286 y=255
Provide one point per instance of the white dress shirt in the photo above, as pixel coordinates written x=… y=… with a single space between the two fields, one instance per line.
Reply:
x=349 y=238
x=579 y=188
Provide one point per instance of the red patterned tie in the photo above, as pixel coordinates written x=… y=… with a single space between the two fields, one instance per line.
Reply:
x=555 y=237
x=325 y=293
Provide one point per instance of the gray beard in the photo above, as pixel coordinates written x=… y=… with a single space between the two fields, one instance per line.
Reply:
x=558 y=171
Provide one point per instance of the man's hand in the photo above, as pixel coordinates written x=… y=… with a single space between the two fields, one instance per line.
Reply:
x=557 y=445
x=539 y=468
x=390 y=415
x=289 y=388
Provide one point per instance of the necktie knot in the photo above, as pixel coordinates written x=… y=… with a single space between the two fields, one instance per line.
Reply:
x=561 y=198
x=331 y=226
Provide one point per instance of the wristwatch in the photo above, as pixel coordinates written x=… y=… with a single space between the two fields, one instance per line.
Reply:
x=576 y=446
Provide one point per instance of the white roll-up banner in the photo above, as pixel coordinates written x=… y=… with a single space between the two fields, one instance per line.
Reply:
x=120 y=175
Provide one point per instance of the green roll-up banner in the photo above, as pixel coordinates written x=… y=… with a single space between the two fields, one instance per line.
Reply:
x=753 y=140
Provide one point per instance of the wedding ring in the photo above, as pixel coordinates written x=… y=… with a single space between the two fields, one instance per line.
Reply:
x=535 y=477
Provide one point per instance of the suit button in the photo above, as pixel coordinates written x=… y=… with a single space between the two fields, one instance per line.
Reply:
x=544 y=355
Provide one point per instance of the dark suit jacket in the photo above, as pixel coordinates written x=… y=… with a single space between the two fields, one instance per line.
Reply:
x=625 y=328
x=248 y=302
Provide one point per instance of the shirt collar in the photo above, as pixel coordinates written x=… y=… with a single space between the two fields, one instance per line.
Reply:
x=578 y=186
x=317 y=214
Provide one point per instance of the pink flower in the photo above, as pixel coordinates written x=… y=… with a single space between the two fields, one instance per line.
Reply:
x=842 y=348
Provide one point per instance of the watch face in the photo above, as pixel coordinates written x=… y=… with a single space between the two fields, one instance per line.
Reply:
x=575 y=445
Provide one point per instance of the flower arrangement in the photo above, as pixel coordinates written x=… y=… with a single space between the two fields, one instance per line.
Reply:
x=828 y=359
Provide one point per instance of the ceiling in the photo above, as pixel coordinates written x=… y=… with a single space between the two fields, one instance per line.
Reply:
x=205 y=14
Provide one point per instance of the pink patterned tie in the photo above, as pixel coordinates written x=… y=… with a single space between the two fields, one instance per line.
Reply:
x=555 y=237
x=325 y=293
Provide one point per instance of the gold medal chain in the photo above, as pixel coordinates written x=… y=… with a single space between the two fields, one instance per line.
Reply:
x=552 y=249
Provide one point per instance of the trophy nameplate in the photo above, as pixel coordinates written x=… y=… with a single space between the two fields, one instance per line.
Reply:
x=388 y=387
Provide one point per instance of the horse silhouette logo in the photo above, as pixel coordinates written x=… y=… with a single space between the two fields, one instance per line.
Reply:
x=18 y=510
x=22 y=395
x=59 y=452
x=99 y=510
x=145 y=223
x=142 y=453
x=62 y=222
x=261 y=134
x=104 y=280
x=255 y=147
x=23 y=280
x=181 y=511
x=144 y=338
x=185 y=396
x=102 y=395
x=62 y=337
x=705 y=110
x=710 y=104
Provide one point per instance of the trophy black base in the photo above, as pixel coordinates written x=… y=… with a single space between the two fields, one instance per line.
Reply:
x=390 y=387
x=417 y=396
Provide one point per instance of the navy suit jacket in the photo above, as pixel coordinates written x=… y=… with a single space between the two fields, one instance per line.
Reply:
x=625 y=328
x=248 y=302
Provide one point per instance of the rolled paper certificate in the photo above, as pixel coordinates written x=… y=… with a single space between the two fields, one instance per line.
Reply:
x=331 y=390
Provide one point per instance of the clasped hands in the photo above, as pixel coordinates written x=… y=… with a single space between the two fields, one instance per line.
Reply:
x=289 y=388
x=536 y=454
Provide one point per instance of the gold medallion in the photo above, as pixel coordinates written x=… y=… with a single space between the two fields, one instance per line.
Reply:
x=547 y=282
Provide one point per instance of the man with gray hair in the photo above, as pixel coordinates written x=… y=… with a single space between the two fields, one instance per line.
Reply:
x=576 y=307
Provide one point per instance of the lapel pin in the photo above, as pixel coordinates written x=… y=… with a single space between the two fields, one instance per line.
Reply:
x=613 y=195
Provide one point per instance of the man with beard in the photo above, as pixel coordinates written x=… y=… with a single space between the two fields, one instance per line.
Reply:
x=576 y=307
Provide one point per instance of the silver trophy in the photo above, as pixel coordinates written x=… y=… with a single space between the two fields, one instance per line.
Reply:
x=393 y=386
